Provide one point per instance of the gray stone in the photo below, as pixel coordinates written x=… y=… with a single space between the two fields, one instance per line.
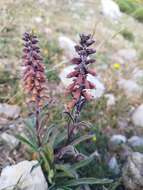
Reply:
x=21 y=176
x=100 y=88
x=116 y=141
x=113 y=165
x=130 y=87
x=12 y=126
x=124 y=152
x=133 y=172
x=10 y=140
x=67 y=45
x=110 y=100
x=136 y=143
x=9 y=111
x=111 y=9
x=128 y=54
x=63 y=75
x=38 y=19
x=137 y=74
x=122 y=123
x=137 y=117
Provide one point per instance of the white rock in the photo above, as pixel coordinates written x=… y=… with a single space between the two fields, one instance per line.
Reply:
x=20 y=174
x=132 y=172
x=116 y=141
x=113 y=165
x=111 y=9
x=9 y=111
x=137 y=117
x=38 y=19
x=12 y=126
x=10 y=140
x=130 y=87
x=110 y=100
x=96 y=93
x=42 y=1
x=63 y=75
x=127 y=54
x=67 y=45
x=136 y=143
x=137 y=74
x=100 y=88
x=3 y=121
x=48 y=31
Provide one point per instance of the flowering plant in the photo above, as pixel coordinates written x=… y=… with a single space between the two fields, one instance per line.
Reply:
x=57 y=154
x=34 y=78
x=80 y=85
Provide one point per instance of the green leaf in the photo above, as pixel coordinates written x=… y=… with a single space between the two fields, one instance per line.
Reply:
x=49 y=152
x=82 y=163
x=26 y=141
x=30 y=128
x=50 y=175
x=58 y=188
x=115 y=184
x=60 y=138
x=65 y=171
x=81 y=139
x=52 y=187
x=48 y=132
x=45 y=163
x=90 y=181
x=54 y=136
x=64 y=188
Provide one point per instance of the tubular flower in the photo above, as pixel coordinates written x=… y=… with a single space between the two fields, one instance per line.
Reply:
x=34 y=78
x=78 y=89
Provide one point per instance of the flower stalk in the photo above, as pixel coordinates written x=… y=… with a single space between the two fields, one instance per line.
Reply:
x=80 y=85
x=34 y=79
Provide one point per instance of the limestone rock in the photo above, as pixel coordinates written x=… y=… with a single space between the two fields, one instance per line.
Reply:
x=133 y=172
x=110 y=100
x=137 y=74
x=111 y=9
x=137 y=117
x=100 y=88
x=21 y=176
x=63 y=75
x=38 y=19
x=67 y=45
x=116 y=141
x=113 y=165
x=130 y=87
x=9 y=111
x=128 y=54
x=10 y=140
x=136 y=143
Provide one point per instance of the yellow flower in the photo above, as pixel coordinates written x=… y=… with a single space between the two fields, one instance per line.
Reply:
x=117 y=66
x=94 y=138
x=46 y=51
x=34 y=31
